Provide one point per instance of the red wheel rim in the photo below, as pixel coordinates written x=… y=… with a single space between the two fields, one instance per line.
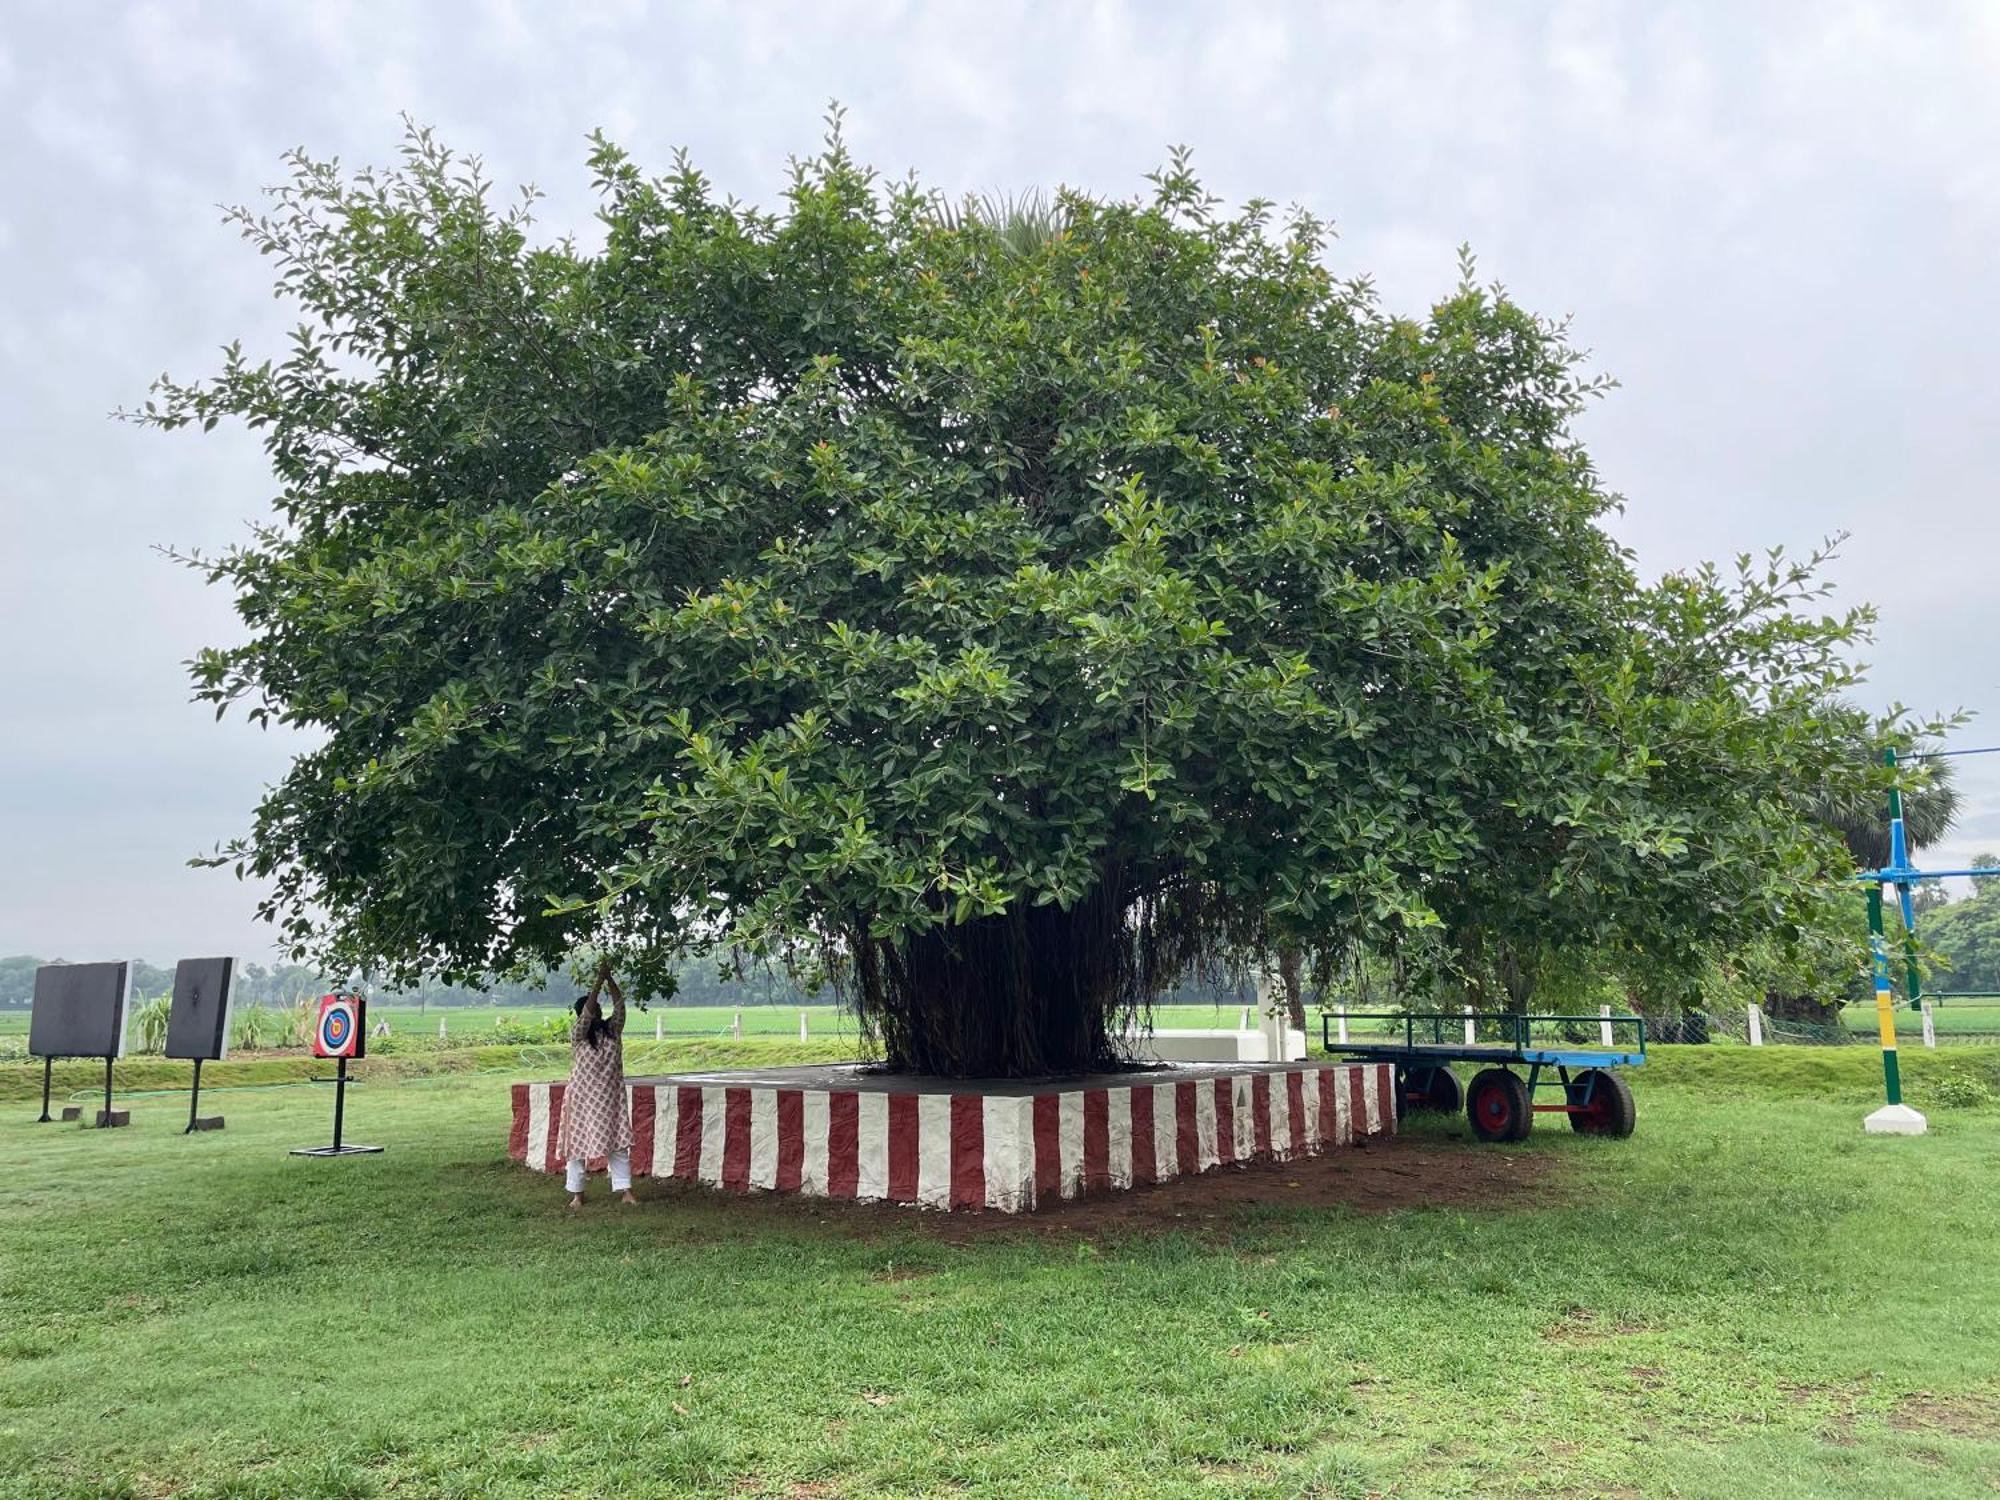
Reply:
x=1598 y=1110
x=1491 y=1106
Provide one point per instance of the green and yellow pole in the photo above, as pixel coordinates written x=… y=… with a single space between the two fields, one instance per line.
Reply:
x=1885 y=998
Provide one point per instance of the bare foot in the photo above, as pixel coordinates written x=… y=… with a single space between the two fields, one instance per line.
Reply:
x=576 y=1201
x=626 y=1197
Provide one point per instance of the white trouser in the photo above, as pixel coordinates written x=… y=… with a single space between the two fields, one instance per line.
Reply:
x=621 y=1173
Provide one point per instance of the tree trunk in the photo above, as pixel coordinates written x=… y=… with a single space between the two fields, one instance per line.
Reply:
x=1291 y=967
x=1033 y=993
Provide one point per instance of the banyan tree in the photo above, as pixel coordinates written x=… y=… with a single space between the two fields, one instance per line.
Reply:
x=1012 y=615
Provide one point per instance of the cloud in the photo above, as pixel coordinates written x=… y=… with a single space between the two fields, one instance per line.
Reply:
x=1773 y=225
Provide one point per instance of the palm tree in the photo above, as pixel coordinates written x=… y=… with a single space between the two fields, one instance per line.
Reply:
x=1021 y=222
x=1930 y=804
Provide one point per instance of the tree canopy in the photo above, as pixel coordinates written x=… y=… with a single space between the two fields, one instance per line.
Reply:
x=1010 y=616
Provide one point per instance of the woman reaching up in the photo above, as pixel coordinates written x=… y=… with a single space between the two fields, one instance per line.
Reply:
x=595 y=1121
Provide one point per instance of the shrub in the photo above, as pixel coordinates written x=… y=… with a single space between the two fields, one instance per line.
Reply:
x=529 y=1031
x=1959 y=1089
x=253 y=1029
x=151 y=1020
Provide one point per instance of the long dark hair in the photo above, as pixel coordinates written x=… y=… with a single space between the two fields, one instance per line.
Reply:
x=598 y=1028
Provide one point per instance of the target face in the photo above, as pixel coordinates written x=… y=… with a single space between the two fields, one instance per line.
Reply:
x=339 y=1030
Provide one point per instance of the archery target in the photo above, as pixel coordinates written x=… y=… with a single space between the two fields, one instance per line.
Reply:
x=341 y=1028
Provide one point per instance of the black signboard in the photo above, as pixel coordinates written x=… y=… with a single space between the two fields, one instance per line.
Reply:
x=80 y=1010
x=198 y=1023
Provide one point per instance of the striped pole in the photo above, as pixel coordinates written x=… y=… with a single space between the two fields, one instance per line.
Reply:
x=1899 y=856
x=1885 y=1000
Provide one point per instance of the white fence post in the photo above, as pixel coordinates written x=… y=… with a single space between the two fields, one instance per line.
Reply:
x=1471 y=1027
x=658 y=1034
x=1342 y=1023
x=440 y=1028
x=802 y=1026
x=1243 y=1021
x=1930 y=1026
x=1604 y=1026
x=736 y=1026
x=1756 y=1026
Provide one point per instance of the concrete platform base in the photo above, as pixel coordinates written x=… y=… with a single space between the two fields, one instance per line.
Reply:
x=1895 y=1119
x=853 y=1131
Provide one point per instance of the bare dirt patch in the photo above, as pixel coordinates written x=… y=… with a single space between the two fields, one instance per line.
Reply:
x=1580 y=1325
x=1976 y=1417
x=1387 y=1174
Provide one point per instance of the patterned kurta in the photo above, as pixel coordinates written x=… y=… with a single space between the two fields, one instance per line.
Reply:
x=595 y=1121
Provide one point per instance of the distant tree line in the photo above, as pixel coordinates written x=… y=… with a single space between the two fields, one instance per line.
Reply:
x=701 y=979
x=705 y=979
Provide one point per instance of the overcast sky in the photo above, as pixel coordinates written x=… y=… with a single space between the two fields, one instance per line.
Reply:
x=1774 y=225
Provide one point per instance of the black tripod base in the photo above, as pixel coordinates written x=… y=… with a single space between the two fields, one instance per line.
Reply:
x=334 y=1150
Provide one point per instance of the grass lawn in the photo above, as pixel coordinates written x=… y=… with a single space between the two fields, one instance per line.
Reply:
x=1949 y=1018
x=1749 y=1297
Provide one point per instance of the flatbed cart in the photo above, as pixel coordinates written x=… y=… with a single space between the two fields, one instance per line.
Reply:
x=1499 y=1102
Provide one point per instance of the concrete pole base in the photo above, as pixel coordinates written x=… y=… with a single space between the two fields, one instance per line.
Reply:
x=1895 y=1119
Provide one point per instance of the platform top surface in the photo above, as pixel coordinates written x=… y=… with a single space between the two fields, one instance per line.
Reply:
x=872 y=1078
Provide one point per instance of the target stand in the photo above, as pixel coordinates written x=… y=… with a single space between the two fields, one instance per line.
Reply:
x=341 y=1033
x=109 y=1117
x=196 y=1119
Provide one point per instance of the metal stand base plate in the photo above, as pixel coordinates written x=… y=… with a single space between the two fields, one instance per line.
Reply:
x=205 y=1122
x=106 y=1118
x=72 y=1112
x=334 y=1150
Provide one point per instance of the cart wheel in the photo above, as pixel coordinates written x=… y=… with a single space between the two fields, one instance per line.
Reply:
x=1431 y=1089
x=1497 y=1106
x=1609 y=1110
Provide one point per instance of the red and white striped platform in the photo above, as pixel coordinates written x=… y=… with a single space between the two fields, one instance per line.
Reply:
x=851 y=1131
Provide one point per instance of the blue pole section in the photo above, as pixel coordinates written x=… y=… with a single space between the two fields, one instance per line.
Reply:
x=1889 y=876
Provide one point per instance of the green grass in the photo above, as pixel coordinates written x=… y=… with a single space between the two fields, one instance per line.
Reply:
x=1746 y=1298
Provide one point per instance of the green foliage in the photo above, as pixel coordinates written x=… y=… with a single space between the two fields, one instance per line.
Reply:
x=1929 y=797
x=531 y=1030
x=254 y=1027
x=1965 y=935
x=150 y=1020
x=1961 y=1089
x=1013 y=613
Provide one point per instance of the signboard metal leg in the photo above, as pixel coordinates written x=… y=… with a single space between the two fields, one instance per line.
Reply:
x=108 y=1117
x=197 y=1120
x=339 y=1101
x=48 y=1067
